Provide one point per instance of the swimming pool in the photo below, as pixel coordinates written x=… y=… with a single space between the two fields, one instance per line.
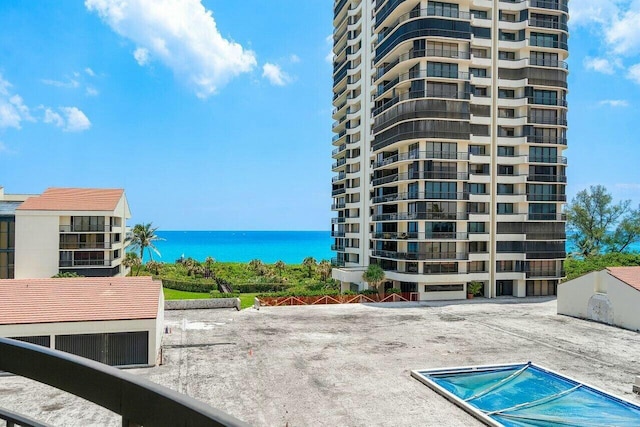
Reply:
x=524 y=395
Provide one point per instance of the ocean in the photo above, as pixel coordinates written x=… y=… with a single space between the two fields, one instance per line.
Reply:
x=243 y=246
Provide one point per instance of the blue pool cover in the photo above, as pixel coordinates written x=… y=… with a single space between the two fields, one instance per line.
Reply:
x=529 y=395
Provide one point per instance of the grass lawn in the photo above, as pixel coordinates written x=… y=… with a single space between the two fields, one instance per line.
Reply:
x=246 y=300
x=173 y=294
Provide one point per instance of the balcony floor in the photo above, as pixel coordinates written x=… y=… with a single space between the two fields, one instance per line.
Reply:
x=350 y=364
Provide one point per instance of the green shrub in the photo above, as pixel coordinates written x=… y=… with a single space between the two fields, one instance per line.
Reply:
x=190 y=286
x=252 y=288
x=216 y=294
x=393 y=291
x=299 y=293
x=368 y=292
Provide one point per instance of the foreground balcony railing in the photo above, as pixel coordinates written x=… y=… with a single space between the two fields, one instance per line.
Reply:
x=138 y=401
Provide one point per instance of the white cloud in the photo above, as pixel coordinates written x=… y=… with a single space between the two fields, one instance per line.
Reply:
x=69 y=84
x=53 y=118
x=77 y=121
x=182 y=35
x=12 y=108
x=91 y=91
x=294 y=58
x=72 y=119
x=329 y=57
x=623 y=34
x=89 y=72
x=583 y=12
x=615 y=102
x=602 y=65
x=142 y=56
x=633 y=73
x=275 y=75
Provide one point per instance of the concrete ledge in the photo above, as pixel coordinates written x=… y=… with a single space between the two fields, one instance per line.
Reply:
x=190 y=304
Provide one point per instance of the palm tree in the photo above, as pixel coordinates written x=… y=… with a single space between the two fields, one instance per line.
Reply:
x=309 y=262
x=208 y=263
x=324 y=268
x=280 y=266
x=143 y=237
x=153 y=267
x=374 y=276
x=131 y=260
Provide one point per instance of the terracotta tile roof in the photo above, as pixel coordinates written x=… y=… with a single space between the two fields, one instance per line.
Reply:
x=74 y=199
x=628 y=275
x=82 y=299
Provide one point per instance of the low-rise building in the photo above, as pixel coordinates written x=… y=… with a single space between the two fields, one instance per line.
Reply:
x=114 y=320
x=75 y=230
x=610 y=296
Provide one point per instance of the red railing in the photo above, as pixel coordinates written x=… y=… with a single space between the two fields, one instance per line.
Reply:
x=338 y=299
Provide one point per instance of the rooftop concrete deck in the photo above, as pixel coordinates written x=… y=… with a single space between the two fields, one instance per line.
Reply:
x=349 y=365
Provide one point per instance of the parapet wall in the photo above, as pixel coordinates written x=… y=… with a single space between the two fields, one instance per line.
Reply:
x=191 y=304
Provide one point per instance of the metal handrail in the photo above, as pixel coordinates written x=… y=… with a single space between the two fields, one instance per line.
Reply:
x=13 y=419
x=137 y=400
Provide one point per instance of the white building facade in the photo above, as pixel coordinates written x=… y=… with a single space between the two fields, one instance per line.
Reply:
x=71 y=230
x=450 y=123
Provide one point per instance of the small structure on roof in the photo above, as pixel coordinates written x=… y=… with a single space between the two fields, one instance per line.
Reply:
x=114 y=320
x=610 y=296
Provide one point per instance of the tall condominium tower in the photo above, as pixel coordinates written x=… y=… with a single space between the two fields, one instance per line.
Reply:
x=450 y=125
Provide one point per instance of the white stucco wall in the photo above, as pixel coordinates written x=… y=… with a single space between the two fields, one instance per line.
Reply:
x=626 y=301
x=37 y=245
x=601 y=297
x=153 y=326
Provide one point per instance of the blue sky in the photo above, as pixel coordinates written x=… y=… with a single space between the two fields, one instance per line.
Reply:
x=216 y=114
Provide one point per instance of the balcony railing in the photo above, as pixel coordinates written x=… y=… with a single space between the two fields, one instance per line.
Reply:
x=422 y=256
x=410 y=216
x=85 y=245
x=415 y=155
x=138 y=401
x=547 y=178
x=420 y=236
x=77 y=228
x=86 y=263
x=547 y=217
x=420 y=196
x=433 y=175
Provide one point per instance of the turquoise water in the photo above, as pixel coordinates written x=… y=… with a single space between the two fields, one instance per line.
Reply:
x=527 y=395
x=243 y=246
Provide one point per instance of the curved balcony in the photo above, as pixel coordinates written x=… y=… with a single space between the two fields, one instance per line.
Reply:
x=422 y=13
x=421 y=236
x=138 y=401
x=458 y=95
x=422 y=155
x=419 y=29
x=421 y=256
x=396 y=197
x=546 y=197
x=539 y=139
x=411 y=216
x=423 y=128
x=420 y=175
x=421 y=53
x=562 y=179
